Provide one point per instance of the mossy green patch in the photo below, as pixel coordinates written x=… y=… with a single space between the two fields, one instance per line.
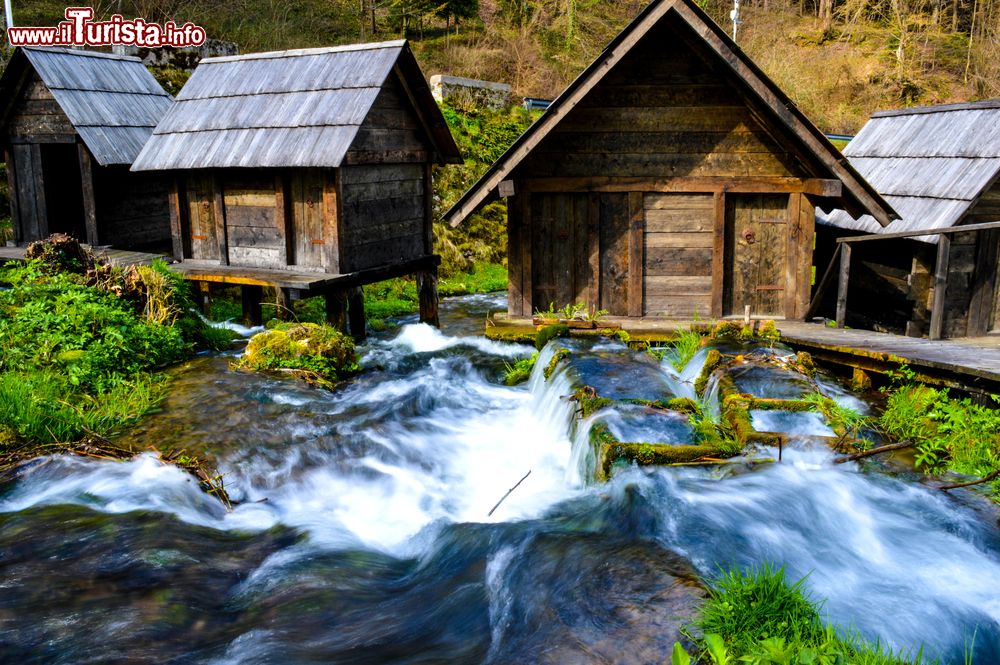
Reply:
x=319 y=354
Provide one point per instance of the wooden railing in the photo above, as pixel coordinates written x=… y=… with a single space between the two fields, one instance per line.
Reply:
x=844 y=248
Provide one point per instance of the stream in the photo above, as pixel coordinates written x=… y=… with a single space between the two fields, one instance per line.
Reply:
x=362 y=534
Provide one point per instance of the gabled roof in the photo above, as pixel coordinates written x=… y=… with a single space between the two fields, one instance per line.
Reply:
x=931 y=163
x=112 y=101
x=298 y=108
x=858 y=196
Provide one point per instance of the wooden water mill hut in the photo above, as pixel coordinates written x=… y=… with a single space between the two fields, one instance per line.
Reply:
x=72 y=123
x=308 y=171
x=934 y=271
x=671 y=179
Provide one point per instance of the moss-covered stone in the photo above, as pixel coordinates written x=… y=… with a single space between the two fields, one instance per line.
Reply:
x=805 y=363
x=319 y=354
x=557 y=358
x=682 y=404
x=546 y=334
x=712 y=363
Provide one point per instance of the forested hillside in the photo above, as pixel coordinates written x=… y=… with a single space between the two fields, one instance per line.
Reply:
x=839 y=59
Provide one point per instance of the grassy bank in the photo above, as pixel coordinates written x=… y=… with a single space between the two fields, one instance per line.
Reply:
x=758 y=617
x=81 y=349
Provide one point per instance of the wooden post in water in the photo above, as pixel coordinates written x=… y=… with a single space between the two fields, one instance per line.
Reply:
x=940 y=286
x=336 y=309
x=253 y=297
x=427 y=292
x=283 y=303
x=205 y=299
x=845 y=276
x=356 y=313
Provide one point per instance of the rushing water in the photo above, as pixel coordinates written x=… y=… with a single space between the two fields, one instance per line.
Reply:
x=362 y=532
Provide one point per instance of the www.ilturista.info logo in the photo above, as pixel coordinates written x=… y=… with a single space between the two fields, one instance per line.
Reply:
x=80 y=30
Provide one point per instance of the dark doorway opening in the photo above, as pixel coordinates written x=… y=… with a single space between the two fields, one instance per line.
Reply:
x=63 y=189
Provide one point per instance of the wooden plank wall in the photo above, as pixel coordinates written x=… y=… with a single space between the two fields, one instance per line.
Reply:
x=679 y=239
x=662 y=112
x=255 y=219
x=383 y=212
x=29 y=191
x=958 y=294
x=132 y=210
x=37 y=117
x=391 y=133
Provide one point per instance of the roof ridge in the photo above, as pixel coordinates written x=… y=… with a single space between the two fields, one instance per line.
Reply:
x=294 y=53
x=278 y=92
x=82 y=52
x=982 y=105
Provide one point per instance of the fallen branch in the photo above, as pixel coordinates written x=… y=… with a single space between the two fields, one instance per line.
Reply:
x=874 y=451
x=504 y=497
x=969 y=483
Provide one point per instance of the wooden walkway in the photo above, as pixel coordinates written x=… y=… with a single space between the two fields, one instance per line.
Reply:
x=971 y=364
x=118 y=257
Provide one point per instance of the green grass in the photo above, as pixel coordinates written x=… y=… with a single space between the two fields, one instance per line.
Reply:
x=520 y=371
x=758 y=617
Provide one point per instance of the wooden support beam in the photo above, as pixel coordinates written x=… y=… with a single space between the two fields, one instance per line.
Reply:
x=356 y=313
x=636 y=269
x=428 y=210
x=332 y=220
x=253 y=299
x=719 y=256
x=940 y=286
x=824 y=282
x=845 y=276
x=283 y=214
x=176 y=228
x=220 y=220
x=427 y=293
x=283 y=304
x=823 y=188
x=87 y=187
x=39 y=183
x=965 y=228
x=336 y=309
x=205 y=297
x=15 y=212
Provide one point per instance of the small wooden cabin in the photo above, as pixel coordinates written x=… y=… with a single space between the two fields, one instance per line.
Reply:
x=304 y=170
x=72 y=123
x=939 y=166
x=671 y=179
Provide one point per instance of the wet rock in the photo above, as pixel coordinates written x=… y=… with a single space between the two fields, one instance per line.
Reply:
x=318 y=353
x=596 y=599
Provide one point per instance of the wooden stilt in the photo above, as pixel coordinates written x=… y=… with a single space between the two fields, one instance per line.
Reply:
x=205 y=297
x=283 y=302
x=253 y=296
x=336 y=309
x=356 y=313
x=940 y=286
x=427 y=292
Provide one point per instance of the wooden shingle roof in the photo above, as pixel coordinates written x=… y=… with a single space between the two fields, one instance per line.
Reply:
x=931 y=163
x=858 y=197
x=299 y=108
x=112 y=101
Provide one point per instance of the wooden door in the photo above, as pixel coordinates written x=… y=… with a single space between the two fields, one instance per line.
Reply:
x=560 y=268
x=308 y=219
x=201 y=217
x=984 y=310
x=756 y=254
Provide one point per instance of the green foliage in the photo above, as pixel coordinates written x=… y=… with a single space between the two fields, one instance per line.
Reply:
x=844 y=420
x=315 y=349
x=757 y=617
x=679 y=656
x=683 y=348
x=520 y=371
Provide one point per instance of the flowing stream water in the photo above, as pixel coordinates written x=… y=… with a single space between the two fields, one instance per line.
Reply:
x=362 y=534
